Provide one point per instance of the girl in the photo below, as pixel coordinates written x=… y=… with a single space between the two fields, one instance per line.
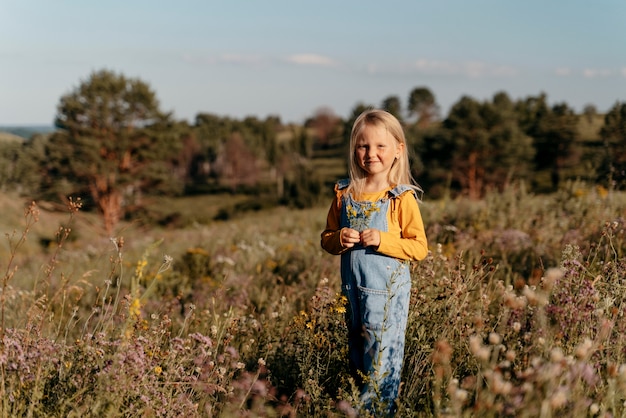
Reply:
x=375 y=224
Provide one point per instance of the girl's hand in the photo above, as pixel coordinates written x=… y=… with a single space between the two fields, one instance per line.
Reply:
x=370 y=238
x=349 y=237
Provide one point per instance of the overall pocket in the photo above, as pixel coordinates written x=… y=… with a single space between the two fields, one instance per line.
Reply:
x=375 y=305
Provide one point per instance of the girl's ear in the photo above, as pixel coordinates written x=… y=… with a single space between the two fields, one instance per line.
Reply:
x=399 y=150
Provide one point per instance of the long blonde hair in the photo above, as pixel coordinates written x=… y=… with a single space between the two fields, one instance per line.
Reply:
x=400 y=172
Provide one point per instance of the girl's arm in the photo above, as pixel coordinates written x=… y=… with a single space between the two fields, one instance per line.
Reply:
x=406 y=238
x=331 y=237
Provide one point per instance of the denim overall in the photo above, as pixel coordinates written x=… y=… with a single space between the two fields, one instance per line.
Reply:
x=378 y=290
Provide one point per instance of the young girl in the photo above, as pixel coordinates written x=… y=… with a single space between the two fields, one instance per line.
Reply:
x=375 y=224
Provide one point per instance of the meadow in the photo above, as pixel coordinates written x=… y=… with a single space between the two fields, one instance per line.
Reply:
x=517 y=311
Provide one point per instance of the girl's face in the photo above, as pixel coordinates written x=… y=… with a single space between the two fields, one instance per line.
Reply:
x=376 y=150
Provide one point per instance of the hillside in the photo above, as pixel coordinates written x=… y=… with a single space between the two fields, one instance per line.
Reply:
x=26 y=131
x=9 y=137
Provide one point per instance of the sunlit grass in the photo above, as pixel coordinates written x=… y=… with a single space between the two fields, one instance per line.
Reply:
x=518 y=311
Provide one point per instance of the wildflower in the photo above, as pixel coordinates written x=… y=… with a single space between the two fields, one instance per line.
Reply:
x=553 y=275
x=197 y=250
x=478 y=350
x=475 y=343
x=345 y=408
x=494 y=338
x=158 y=370
x=261 y=361
x=517 y=326
x=141 y=264
x=499 y=385
x=360 y=219
x=510 y=355
x=594 y=408
x=559 y=399
x=584 y=348
x=443 y=352
x=461 y=395
x=239 y=365
x=556 y=355
x=134 y=310
x=534 y=298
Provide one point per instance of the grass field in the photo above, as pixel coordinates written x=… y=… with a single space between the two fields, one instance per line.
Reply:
x=517 y=311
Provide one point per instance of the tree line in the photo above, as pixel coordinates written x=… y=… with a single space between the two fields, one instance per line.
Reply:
x=113 y=146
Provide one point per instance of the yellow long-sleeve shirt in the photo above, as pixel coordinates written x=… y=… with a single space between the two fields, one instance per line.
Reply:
x=405 y=238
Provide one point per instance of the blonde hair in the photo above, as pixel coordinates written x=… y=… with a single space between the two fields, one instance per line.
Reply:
x=400 y=172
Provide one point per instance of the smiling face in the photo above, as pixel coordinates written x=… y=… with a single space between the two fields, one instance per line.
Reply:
x=376 y=150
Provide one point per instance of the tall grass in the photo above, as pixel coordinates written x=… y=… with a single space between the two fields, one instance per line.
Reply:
x=517 y=311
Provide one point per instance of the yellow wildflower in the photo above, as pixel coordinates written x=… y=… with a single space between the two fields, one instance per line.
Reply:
x=134 y=310
x=141 y=264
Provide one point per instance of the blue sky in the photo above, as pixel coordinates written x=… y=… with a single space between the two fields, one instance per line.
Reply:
x=290 y=57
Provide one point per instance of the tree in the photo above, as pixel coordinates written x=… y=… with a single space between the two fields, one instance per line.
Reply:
x=423 y=105
x=487 y=149
x=325 y=124
x=113 y=143
x=237 y=165
x=590 y=111
x=613 y=135
x=554 y=132
x=393 y=105
x=349 y=123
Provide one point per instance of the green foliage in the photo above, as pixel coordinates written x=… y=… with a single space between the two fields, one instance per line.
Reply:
x=483 y=145
x=115 y=147
x=422 y=104
x=113 y=144
x=393 y=105
x=223 y=140
x=555 y=134
x=613 y=135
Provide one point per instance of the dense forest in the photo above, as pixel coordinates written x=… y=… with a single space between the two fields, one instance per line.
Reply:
x=113 y=147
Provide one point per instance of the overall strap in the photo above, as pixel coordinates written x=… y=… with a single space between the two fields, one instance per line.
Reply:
x=342 y=184
x=401 y=189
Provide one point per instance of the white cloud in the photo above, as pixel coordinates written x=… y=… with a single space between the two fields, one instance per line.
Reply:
x=563 y=71
x=241 y=59
x=472 y=69
x=595 y=73
x=434 y=67
x=311 y=59
x=225 y=58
